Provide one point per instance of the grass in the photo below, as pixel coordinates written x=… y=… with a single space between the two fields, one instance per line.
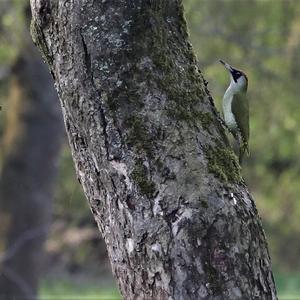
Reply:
x=66 y=289
x=288 y=287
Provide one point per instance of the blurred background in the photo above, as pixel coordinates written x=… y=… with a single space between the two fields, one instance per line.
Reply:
x=53 y=230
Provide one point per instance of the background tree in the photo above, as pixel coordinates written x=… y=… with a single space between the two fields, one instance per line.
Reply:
x=162 y=183
x=30 y=151
x=73 y=239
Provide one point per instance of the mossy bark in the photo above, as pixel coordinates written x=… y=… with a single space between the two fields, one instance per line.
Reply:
x=150 y=152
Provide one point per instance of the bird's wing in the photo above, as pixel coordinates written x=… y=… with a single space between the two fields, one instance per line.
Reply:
x=240 y=110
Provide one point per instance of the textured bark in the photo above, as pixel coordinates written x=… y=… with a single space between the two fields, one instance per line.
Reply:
x=150 y=152
x=32 y=141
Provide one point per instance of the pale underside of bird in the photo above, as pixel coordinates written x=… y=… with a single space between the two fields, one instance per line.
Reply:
x=236 y=108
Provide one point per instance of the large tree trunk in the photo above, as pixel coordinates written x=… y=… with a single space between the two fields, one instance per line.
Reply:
x=162 y=183
x=32 y=141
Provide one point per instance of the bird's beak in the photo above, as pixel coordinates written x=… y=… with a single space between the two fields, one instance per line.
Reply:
x=226 y=65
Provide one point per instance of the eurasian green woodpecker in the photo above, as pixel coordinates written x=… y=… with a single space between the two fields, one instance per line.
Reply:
x=236 y=108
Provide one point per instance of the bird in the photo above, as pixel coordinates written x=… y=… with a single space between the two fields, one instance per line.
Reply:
x=236 y=108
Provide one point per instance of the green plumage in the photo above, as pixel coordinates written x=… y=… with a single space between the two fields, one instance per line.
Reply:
x=240 y=110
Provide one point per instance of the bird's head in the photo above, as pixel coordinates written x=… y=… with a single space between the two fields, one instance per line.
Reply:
x=238 y=78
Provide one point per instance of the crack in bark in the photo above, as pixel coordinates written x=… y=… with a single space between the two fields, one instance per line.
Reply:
x=88 y=64
x=87 y=56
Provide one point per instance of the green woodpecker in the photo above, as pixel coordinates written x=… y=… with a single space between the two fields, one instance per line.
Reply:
x=236 y=108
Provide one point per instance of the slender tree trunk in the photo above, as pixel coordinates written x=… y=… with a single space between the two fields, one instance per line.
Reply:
x=162 y=183
x=31 y=147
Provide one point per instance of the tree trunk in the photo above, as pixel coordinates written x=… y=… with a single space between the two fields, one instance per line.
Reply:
x=150 y=152
x=32 y=141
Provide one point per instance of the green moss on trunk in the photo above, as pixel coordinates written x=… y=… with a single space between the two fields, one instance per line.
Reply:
x=138 y=135
x=224 y=164
x=39 y=40
x=147 y=187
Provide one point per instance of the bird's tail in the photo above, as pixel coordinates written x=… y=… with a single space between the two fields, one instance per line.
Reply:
x=243 y=148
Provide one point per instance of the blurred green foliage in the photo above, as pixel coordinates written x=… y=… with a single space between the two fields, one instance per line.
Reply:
x=12 y=22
